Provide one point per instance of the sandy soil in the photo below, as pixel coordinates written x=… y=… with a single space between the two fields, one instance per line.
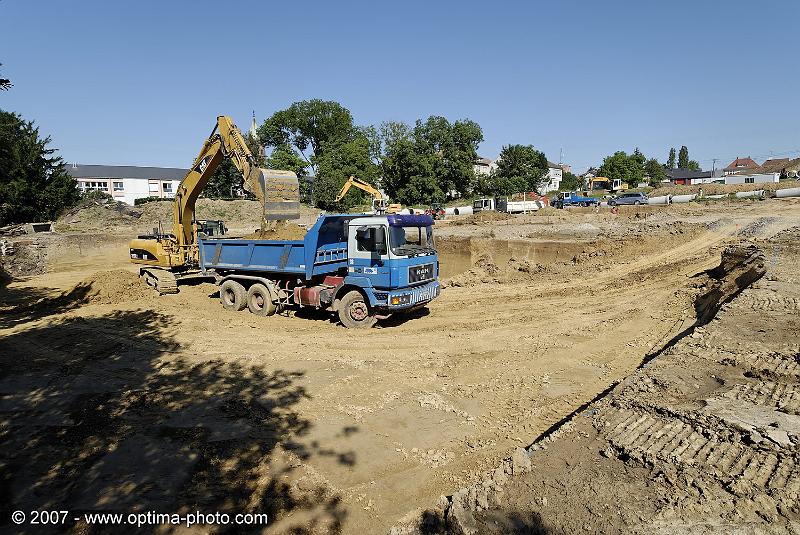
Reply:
x=111 y=399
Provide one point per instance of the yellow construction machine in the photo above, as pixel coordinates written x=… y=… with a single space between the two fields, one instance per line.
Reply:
x=379 y=203
x=169 y=256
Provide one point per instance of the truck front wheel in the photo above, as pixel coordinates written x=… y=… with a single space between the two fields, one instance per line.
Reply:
x=354 y=311
x=232 y=295
x=259 y=300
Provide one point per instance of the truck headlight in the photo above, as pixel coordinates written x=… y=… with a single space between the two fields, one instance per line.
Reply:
x=401 y=299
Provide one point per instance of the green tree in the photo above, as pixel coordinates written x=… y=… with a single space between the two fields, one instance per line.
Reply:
x=671 y=159
x=337 y=162
x=683 y=158
x=34 y=185
x=522 y=166
x=309 y=126
x=624 y=167
x=570 y=182
x=693 y=165
x=225 y=183
x=655 y=171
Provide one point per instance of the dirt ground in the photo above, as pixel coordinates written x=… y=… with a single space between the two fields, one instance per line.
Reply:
x=113 y=399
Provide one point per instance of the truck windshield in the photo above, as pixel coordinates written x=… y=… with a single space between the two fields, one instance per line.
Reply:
x=411 y=241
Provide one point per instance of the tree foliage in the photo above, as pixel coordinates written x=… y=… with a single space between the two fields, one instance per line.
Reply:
x=671 y=160
x=520 y=168
x=620 y=165
x=413 y=165
x=683 y=158
x=655 y=171
x=34 y=185
x=570 y=182
x=430 y=161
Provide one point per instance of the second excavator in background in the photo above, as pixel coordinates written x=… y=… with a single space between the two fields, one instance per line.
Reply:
x=168 y=256
x=379 y=203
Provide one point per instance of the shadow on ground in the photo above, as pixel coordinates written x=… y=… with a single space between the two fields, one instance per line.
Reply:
x=104 y=414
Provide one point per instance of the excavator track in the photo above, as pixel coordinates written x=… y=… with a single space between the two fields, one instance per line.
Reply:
x=162 y=280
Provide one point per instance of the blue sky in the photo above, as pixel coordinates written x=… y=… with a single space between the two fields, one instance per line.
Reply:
x=140 y=83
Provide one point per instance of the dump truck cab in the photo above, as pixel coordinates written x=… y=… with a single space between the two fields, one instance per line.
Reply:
x=393 y=258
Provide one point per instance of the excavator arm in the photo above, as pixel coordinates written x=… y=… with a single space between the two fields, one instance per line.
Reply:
x=379 y=202
x=278 y=192
x=360 y=184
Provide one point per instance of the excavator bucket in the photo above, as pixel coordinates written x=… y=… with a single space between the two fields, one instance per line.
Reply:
x=278 y=191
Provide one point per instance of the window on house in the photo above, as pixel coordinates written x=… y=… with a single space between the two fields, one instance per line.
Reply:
x=154 y=188
x=94 y=186
x=749 y=180
x=167 y=187
x=119 y=186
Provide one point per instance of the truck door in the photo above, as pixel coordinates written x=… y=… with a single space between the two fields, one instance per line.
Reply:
x=367 y=251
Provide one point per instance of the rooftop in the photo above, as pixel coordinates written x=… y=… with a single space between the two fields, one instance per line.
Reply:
x=125 y=171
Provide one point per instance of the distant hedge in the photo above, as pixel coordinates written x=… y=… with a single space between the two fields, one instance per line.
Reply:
x=143 y=200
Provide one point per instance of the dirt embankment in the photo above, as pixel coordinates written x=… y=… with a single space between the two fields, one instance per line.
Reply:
x=719 y=189
x=101 y=215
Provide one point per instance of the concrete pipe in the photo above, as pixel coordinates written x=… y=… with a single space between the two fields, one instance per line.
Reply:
x=718 y=196
x=788 y=192
x=664 y=199
x=683 y=198
x=463 y=210
x=450 y=211
x=750 y=194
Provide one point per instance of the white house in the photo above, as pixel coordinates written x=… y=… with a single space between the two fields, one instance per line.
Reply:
x=554 y=175
x=760 y=178
x=127 y=183
x=555 y=172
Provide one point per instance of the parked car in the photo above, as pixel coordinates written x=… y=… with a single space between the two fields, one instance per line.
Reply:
x=629 y=198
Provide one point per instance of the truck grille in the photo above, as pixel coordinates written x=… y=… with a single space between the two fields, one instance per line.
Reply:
x=420 y=273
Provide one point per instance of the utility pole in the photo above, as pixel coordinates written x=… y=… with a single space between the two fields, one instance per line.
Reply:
x=713 y=168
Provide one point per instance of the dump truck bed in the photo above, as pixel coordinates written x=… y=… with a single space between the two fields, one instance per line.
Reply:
x=276 y=256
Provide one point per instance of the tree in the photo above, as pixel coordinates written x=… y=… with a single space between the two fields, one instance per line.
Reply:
x=655 y=171
x=308 y=126
x=225 y=183
x=34 y=184
x=693 y=165
x=623 y=167
x=671 y=159
x=337 y=162
x=570 y=182
x=5 y=83
x=522 y=166
x=683 y=158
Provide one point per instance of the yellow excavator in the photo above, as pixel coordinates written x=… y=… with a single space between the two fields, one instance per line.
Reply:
x=379 y=203
x=170 y=256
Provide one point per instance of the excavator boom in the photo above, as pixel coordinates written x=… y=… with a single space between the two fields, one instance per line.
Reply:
x=277 y=191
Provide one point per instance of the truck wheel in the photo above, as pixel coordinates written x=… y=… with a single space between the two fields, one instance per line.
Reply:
x=636 y=202
x=354 y=311
x=259 y=300
x=232 y=295
x=584 y=204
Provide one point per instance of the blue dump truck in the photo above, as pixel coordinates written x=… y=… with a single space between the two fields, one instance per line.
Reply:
x=363 y=267
x=573 y=198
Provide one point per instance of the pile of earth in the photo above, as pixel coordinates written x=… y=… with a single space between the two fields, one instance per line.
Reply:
x=485 y=271
x=719 y=189
x=29 y=258
x=97 y=214
x=282 y=230
x=111 y=288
